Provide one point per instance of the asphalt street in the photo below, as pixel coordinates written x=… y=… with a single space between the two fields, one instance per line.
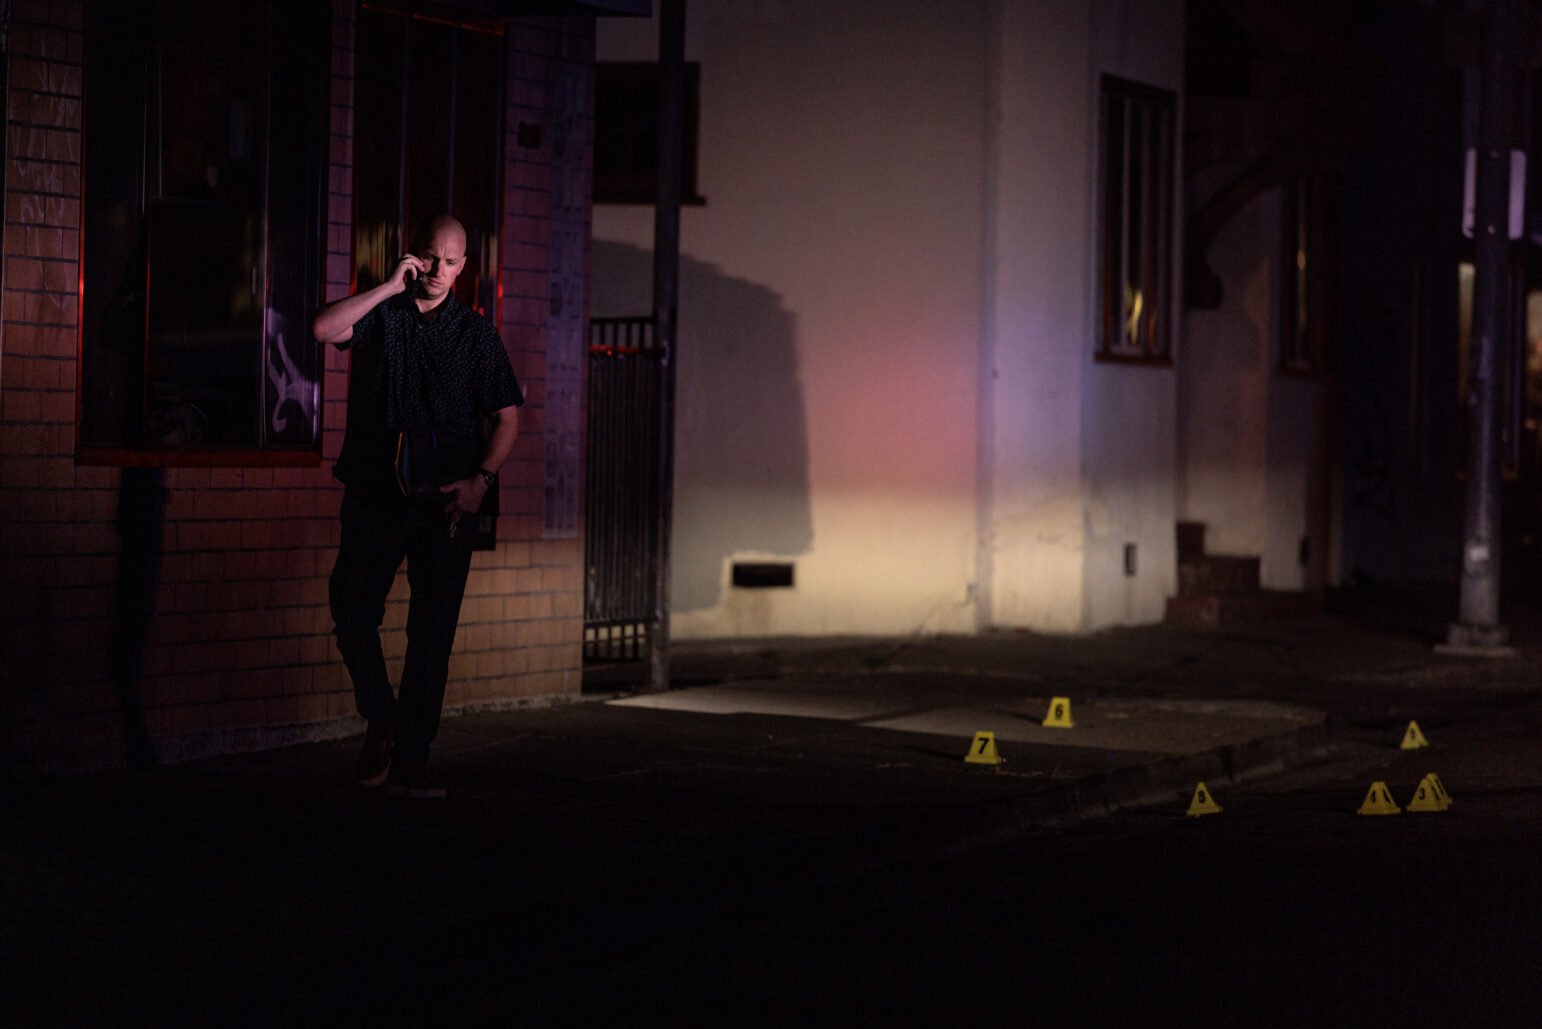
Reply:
x=793 y=837
x=1286 y=909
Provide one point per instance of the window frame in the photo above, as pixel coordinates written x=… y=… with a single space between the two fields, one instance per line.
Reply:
x=1153 y=344
x=297 y=70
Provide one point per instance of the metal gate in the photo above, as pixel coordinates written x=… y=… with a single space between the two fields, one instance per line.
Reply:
x=621 y=511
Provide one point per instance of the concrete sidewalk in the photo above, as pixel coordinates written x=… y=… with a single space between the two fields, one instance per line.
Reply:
x=904 y=735
x=590 y=828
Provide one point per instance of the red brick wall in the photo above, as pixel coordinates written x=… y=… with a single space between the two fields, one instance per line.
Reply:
x=239 y=652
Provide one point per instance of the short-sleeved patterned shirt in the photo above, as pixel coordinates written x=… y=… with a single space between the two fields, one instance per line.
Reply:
x=445 y=372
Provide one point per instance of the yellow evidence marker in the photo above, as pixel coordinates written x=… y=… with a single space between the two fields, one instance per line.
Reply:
x=983 y=750
x=1059 y=716
x=1413 y=739
x=1427 y=798
x=1379 y=801
x=1203 y=802
x=1440 y=790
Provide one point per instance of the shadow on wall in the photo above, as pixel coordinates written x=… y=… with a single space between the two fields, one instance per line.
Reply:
x=141 y=518
x=741 y=438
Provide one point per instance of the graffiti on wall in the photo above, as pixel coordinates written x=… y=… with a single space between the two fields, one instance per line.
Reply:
x=292 y=393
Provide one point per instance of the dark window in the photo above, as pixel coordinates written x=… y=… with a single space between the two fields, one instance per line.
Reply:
x=1136 y=183
x=626 y=133
x=1301 y=278
x=427 y=139
x=201 y=238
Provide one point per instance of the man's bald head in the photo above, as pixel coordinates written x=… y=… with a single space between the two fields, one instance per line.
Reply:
x=440 y=243
x=429 y=228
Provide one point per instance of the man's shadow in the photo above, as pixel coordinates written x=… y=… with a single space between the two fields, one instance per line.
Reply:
x=141 y=516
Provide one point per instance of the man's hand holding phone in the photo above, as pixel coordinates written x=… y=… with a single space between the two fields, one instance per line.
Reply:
x=407 y=274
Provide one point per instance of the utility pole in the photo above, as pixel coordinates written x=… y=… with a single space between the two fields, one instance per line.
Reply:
x=1479 y=631
x=666 y=290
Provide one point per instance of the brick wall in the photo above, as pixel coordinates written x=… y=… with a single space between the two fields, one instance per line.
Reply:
x=237 y=650
x=555 y=645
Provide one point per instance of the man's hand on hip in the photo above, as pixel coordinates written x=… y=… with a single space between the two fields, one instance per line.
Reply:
x=465 y=496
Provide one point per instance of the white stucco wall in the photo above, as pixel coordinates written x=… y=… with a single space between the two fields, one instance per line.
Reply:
x=1130 y=412
x=1081 y=457
x=886 y=369
x=1036 y=352
x=829 y=313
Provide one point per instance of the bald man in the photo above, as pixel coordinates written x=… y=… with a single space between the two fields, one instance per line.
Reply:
x=421 y=361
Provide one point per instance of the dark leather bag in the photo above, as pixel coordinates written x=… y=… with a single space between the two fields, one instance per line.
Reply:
x=428 y=460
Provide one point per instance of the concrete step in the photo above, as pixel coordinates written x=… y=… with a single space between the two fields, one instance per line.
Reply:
x=1214 y=573
x=1216 y=610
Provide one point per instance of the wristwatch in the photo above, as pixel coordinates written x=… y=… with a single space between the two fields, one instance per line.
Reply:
x=488 y=477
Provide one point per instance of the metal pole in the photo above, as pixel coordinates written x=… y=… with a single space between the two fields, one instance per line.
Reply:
x=666 y=286
x=1479 y=628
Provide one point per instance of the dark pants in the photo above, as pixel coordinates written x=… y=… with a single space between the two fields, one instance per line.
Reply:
x=377 y=533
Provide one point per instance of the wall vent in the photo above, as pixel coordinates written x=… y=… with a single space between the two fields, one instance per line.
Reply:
x=761 y=576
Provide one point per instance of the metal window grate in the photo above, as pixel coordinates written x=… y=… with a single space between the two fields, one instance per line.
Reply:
x=621 y=488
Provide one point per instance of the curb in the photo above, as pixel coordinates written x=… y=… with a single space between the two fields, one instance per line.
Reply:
x=962 y=830
x=1137 y=785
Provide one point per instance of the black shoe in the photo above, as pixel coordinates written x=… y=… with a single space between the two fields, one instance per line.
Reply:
x=375 y=757
x=411 y=779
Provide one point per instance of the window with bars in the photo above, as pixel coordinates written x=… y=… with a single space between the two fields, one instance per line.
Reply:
x=1136 y=193
x=428 y=139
